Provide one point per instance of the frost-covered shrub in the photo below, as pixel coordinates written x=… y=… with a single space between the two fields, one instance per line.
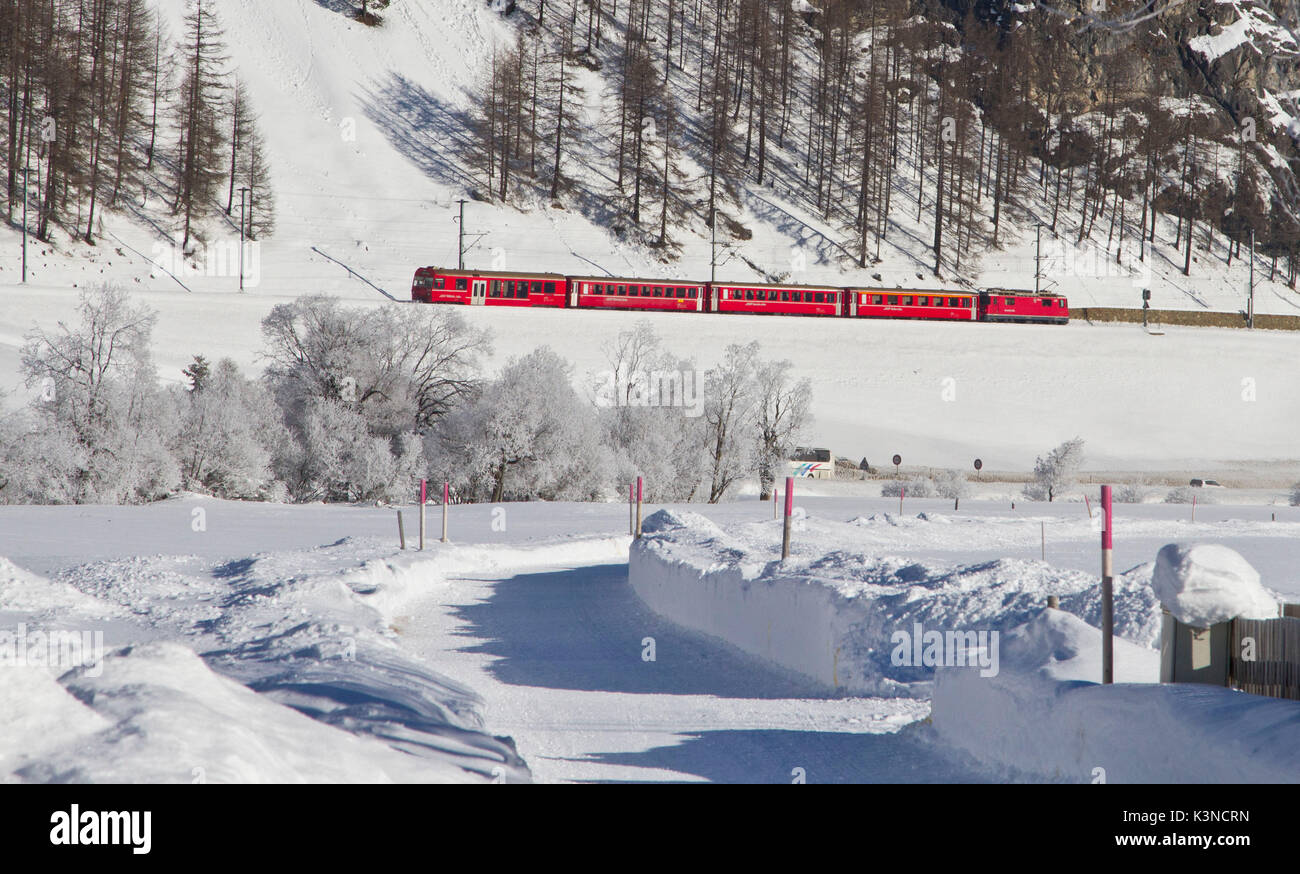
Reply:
x=1055 y=472
x=917 y=487
x=529 y=435
x=1130 y=493
x=1185 y=494
x=1295 y=495
x=952 y=484
x=229 y=429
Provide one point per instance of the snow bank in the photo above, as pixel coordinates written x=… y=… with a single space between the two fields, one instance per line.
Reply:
x=158 y=714
x=1206 y=583
x=849 y=619
x=1040 y=718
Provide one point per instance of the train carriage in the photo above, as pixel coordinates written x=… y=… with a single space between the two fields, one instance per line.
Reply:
x=608 y=292
x=901 y=303
x=1007 y=305
x=794 y=300
x=488 y=287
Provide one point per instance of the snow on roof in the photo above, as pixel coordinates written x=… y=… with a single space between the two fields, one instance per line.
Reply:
x=1206 y=583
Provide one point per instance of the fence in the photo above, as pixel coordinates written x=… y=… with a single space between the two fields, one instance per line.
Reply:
x=1259 y=656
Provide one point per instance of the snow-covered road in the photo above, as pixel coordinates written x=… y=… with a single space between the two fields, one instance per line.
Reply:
x=560 y=655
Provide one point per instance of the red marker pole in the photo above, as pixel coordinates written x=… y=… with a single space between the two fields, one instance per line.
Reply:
x=1088 y=504
x=785 y=527
x=776 y=500
x=1107 y=592
x=902 y=490
x=423 y=494
x=1193 y=508
x=637 y=531
x=446 y=499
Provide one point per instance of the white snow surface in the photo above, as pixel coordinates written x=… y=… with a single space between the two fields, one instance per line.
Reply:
x=1206 y=583
x=298 y=643
x=1044 y=718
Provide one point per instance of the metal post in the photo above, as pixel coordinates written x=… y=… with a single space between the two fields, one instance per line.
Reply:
x=1107 y=593
x=785 y=525
x=460 y=238
x=631 y=508
x=401 y=530
x=776 y=501
x=637 y=529
x=446 y=499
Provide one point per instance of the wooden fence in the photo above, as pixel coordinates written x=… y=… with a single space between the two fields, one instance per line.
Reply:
x=1259 y=656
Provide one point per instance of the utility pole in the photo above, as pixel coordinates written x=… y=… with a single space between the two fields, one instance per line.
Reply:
x=1038 y=255
x=243 y=192
x=713 y=247
x=1250 y=300
x=25 y=171
x=460 y=239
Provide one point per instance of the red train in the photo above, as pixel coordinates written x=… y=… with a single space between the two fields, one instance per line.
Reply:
x=507 y=288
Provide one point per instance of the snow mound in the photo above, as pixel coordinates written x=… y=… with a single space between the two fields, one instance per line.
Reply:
x=1061 y=646
x=169 y=718
x=1206 y=583
x=670 y=520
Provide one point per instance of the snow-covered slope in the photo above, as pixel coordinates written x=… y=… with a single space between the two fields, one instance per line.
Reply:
x=359 y=122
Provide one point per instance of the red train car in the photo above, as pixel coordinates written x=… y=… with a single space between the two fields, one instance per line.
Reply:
x=608 y=292
x=903 y=303
x=488 y=287
x=795 y=300
x=1005 y=305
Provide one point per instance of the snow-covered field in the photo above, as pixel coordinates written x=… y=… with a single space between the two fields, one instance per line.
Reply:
x=247 y=642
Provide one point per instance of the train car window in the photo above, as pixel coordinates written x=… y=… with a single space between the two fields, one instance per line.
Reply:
x=460 y=283
x=537 y=288
x=622 y=289
x=496 y=288
x=923 y=300
x=438 y=282
x=1060 y=303
x=1009 y=301
x=893 y=300
x=690 y=292
x=678 y=292
x=907 y=300
x=965 y=303
x=548 y=287
x=877 y=299
x=818 y=297
x=659 y=291
x=510 y=288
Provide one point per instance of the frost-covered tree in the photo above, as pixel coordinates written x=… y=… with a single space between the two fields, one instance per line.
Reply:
x=98 y=388
x=952 y=484
x=1056 y=470
x=528 y=435
x=229 y=430
x=729 y=393
x=660 y=441
x=780 y=416
x=399 y=369
x=1295 y=495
